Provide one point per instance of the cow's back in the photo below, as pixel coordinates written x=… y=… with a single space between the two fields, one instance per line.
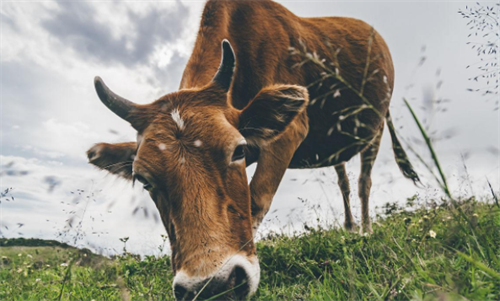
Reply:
x=262 y=33
x=363 y=61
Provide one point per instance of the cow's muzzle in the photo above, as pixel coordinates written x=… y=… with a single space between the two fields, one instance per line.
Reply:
x=237 y=278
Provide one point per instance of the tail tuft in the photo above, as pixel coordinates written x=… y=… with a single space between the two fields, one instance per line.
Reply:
x=400 y=154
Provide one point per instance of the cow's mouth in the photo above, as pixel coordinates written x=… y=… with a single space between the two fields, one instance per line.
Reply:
x=237 y=279
x=236 y=288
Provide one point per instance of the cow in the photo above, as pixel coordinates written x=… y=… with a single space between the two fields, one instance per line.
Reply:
x=258 y=100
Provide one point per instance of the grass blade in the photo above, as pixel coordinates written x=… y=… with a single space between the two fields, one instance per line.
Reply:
x=480 y=265
x=428 y=142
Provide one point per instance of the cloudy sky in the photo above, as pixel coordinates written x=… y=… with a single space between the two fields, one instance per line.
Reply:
x=50 y=115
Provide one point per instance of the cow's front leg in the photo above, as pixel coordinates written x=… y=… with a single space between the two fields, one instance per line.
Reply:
x=273 y=161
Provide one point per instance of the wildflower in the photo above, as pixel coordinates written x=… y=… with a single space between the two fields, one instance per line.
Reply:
x=432 y=234
x=475 y=215
x=20 y=270
x=37 y=280
x=29 y=255
x=64 y=264
x=19 y=254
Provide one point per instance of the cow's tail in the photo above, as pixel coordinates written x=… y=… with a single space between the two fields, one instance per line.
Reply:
x=400 y=154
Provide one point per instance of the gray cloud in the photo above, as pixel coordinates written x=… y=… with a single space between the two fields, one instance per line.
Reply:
x=9 y=21
x=23 y=87
x=76 y=26
x=168 y=78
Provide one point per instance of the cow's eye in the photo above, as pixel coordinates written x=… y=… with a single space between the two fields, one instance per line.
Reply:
x=239 y=153
x=143 y=180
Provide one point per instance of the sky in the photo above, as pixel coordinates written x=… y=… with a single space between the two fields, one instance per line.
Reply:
x=50 y=114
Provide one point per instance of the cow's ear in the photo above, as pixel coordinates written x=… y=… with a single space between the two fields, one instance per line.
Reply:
x=116 y=158
x=271 y=111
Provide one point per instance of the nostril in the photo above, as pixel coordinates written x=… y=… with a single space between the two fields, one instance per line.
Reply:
x=180 y=292
x=240 y=277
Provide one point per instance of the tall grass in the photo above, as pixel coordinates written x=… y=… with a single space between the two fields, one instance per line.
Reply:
x=481 y=252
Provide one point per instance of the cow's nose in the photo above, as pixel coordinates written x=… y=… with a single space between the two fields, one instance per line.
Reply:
x=238 y=277
x=234 y=286
x=182 y=293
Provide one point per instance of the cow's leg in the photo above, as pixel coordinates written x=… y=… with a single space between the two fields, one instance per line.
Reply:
x=343 y=182
x=365 y=182
x=273 y=161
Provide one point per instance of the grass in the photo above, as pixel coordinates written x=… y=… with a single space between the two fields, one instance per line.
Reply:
x=417 y=253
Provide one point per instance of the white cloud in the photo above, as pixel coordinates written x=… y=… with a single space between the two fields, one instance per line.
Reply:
x=102 y=202
x=67 y=138
x=42 y=153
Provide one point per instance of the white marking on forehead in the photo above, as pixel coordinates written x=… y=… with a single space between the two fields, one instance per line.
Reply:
x=182 y=160
x=176 y=116
x=162 y=146
x=198 y=143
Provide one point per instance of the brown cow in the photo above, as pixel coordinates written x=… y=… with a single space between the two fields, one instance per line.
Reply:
x=193 y=145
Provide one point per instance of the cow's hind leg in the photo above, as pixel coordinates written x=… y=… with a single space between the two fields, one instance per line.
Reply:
x=343 y=182
x=368 y=157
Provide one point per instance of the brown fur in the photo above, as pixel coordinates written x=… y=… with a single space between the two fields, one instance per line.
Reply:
x=207 y=207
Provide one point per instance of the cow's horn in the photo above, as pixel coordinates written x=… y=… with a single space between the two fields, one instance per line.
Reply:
x=117 y=104
x=226 y=69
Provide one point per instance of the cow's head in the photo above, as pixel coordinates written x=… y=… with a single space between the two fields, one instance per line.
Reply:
x=190 y=156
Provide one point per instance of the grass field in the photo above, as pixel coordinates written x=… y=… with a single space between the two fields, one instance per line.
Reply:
x=435 y=252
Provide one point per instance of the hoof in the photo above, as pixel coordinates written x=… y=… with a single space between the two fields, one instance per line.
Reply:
x=366 y=229
x=351 y=227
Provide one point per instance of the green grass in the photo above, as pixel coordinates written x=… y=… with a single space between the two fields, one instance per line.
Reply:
x=399 y=261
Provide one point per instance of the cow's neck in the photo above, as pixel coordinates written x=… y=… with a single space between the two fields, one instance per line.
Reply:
x=205 y=59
